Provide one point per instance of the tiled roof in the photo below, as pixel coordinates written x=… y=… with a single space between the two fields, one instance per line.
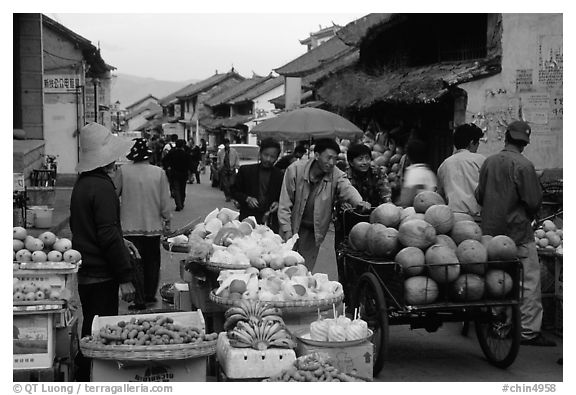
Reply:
x=346 y=59
x=152 y=107
x=353 y=88
x=314 y=59
x=258 y=90
x=141 y=101
x=234 y=91
x=197 y=87
x=203 y=85
x=280 y=101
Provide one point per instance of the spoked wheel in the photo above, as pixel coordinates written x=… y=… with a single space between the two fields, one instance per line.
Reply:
x=499 y=337
x=369 y=298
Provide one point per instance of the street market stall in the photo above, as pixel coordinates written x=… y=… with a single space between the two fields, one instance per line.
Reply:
x=423 y=266
x=45 y=340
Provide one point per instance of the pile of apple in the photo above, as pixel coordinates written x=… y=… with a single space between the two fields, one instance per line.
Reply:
x=387 y=161
x=549 y=237
x=29 y=291
x=46 y=248
x=269 y=285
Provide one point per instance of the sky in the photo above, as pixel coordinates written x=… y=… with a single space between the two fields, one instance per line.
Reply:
x=183 y=46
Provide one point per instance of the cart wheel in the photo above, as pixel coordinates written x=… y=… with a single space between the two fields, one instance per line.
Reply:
x=499 y=337
x=369 y=298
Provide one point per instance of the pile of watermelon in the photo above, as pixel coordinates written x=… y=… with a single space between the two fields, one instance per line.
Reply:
x=441 y=253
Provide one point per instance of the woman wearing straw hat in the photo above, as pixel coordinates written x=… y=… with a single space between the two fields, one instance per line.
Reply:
x=95 y=226
x=145 y=214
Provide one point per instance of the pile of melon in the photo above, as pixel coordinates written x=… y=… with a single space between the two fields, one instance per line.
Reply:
x=46 y=248
x=442 y=254
x=549 y=237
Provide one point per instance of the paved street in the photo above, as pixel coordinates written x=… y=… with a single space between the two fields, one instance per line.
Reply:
x=415 y=355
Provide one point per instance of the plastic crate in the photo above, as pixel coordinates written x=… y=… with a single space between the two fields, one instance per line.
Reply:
x=246 y=363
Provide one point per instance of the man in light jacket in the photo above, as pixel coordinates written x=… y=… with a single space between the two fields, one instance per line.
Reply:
x=307 y=198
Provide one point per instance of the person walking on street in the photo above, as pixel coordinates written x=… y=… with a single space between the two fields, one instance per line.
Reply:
x=307 y=197
x=145 y=215
x=418 y=176
x=203 y=157
x=257 y=187
x=228 y=162
x=176 y=163
x=195 y=157
x=458 y=174
x=169 y=145
x=96 y=229
x=510 y=195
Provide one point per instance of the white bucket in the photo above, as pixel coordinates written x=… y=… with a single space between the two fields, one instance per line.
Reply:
x=42 y=216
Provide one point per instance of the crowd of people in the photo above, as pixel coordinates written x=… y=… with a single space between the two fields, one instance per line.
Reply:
x=118 y=215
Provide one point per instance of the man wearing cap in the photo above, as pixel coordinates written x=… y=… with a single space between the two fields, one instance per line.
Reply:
x=96 y=230
x=510 y=195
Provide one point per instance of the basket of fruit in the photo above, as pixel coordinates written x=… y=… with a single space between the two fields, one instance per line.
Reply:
x=287 y=306
x=148 y=338
x=313 y=367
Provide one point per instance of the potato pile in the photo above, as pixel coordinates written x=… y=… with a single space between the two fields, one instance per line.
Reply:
x=312 y=367
x=159 y=330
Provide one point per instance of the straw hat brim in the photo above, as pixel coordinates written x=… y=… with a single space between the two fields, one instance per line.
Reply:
x=115 y=149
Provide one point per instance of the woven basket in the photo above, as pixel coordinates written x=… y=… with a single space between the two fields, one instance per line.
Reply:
x=293 y=306
x=146 y=353
x=217 y=267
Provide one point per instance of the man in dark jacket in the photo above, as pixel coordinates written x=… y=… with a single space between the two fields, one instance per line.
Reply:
x=176 y=163
x=510 y=195
x=257 y=187
x=96 y=230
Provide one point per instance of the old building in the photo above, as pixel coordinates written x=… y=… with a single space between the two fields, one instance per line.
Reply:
x=423 y=74
x=61 y=82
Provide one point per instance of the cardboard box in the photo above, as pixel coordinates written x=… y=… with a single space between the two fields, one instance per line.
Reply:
x=33 y=341
x=182 y=297
x=246 y=363
x=184 y=370
x=357 y=360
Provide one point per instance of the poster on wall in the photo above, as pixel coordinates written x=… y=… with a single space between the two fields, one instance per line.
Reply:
x=550 y=60
x=499 y=110
x=535 y=107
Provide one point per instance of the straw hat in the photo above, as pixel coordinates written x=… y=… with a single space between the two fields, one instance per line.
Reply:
x=98 y=147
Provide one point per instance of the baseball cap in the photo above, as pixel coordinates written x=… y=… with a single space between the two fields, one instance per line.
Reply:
x=519 y=130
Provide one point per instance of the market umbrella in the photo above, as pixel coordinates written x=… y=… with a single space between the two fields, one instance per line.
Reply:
x=307 y=123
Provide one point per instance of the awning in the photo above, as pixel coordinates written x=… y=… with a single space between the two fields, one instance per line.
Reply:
x=232 y=122
x=354 y=88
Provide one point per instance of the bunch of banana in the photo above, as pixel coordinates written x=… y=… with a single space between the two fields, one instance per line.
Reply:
x=251 y=311
x=260 y=336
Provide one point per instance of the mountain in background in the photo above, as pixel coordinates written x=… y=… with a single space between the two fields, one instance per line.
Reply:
x=128 y=89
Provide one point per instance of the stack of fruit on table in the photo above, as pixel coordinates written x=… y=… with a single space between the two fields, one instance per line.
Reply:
x=338 y=329
x=45 y=251
x=312 y=367
x=438 y=250
x=257 y=325
x=151 y=331
x=293 y=283
x=224 y=241
x=549 y=238
x=40 y=267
